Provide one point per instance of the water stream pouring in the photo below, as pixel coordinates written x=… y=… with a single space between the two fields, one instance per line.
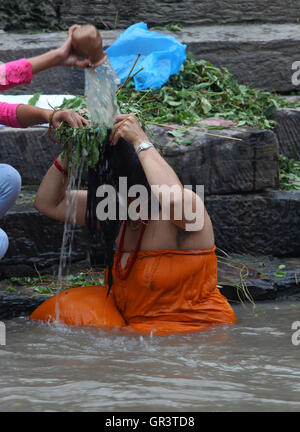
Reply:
x=101 y=84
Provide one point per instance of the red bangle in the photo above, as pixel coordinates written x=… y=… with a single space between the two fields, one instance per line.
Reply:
x=60 y=168
x=51 y=117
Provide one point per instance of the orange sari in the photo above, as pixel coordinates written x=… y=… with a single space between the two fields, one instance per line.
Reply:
x=166 y=292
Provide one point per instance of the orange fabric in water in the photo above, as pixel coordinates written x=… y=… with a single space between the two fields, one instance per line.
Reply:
x=167 y=291
x=82 y=306
x=171 y=291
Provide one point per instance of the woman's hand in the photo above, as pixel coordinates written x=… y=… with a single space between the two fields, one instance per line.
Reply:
x=72 y=28
x=69 y=116
x=127 y=127
x=66 y=57
x=62 y=56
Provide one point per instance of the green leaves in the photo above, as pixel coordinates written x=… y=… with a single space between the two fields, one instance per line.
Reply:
x=289 y=173
x=80 y=143
x=205 y=104
x=198 y=91
x=280 y=274
x=34 y=99
x=170 y=27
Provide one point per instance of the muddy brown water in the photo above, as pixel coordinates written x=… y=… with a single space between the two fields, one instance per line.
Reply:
x=250 y=366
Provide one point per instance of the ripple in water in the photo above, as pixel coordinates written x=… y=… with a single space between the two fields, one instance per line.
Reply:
x=250 y=366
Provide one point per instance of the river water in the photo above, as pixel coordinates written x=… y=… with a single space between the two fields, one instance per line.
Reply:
x=250 y=366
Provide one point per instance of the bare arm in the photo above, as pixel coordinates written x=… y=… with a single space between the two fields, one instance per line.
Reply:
x=54 y=201
x=159 y=173
x=62 y=56
x=30 y=115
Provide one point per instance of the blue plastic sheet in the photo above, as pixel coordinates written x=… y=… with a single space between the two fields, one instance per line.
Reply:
x=161 y=56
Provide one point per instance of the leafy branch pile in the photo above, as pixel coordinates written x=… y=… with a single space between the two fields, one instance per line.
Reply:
x=200 y=90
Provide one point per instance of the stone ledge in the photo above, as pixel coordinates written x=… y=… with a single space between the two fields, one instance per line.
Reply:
x=263 y=281
x=259 y=55
x=35 y=239
x=14 y=305
x=221 y=165
x=51 y=14
x=29 y=151
x=288 y=131
x=261 y=286
x=262 y=223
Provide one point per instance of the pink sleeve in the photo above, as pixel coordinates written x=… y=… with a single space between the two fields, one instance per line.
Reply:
x=15 y=73
x=8 y=115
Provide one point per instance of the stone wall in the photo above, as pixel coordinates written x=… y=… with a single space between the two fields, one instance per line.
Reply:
x=55 y=14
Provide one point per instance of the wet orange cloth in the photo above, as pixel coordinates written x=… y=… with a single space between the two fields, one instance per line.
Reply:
x=167 y=292
x=82 y=306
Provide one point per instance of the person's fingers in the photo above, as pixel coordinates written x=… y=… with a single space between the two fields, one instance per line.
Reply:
x=73 y=60
x=122 y=117
x=81 y=63
x=85 y=121
x=82 y=111
x=116 y=130
x=70 y=118
x=112 y=135
x=116 y=137
x=66 y=46
x=56 y=122
x=103 y=60
x=72 y=28
x=117 y=125
x=78 y=121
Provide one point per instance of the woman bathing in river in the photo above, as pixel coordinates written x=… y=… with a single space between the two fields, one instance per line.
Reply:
x=164 y=276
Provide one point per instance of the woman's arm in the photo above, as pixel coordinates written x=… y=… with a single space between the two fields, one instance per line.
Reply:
x=54 y=201
x=15 y=73
x=62 y=56
x=28 y=115
x=22 y=71
x=159 y=174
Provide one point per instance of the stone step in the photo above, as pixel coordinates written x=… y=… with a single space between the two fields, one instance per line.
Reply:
x=53 y=14
x=260 y=275
x=30 y=151
x=259 y=55
x=246 y=161
x=258 y=224
x=288 y=131
x=34 y=239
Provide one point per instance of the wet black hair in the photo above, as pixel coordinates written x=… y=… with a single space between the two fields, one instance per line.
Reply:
x=114 y=162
